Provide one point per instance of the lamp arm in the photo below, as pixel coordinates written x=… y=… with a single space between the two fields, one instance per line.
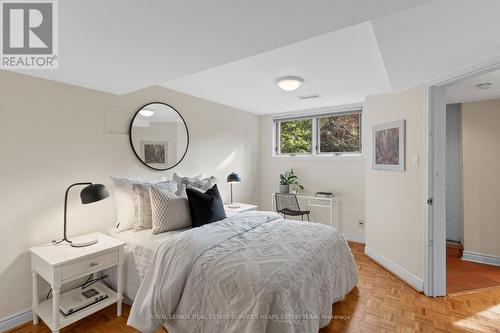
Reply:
x=65 y=238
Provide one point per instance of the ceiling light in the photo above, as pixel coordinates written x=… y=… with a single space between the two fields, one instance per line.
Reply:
x=289 y=83
x=146 y=113
x=483 y=86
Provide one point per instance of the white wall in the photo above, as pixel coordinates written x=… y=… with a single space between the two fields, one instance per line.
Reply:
x=453 y=173
x=344 y=177
x=481 y=177
x=395 y=201
x=52 y=135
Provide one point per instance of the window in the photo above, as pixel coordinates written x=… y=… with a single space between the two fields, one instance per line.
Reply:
x=295 y=136
x=318 y=135
x=340 y=134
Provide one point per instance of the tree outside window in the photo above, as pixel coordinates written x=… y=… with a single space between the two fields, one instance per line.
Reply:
x=332 y=134
x=296 y=136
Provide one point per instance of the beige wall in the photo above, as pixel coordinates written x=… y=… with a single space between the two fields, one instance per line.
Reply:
x=54 y=134
x=395 y=200
x=481 y=178
x=345 y=177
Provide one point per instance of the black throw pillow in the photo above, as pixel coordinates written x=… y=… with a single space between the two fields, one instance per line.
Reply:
x=205 y=207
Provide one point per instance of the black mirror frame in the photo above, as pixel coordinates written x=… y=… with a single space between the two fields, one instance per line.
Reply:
x=132 y=144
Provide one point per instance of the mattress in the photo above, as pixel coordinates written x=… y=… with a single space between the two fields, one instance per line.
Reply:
x=139 y=251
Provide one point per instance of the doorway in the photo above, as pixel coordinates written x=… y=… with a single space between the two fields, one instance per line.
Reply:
x=458 y=257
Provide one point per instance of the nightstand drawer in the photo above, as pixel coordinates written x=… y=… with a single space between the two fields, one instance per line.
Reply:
x=88 y=265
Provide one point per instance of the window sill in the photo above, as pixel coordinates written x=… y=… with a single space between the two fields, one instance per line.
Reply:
x=322 y=157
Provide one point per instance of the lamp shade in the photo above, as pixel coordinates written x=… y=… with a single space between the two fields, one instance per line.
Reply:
x=93 y=193
x=233 y=178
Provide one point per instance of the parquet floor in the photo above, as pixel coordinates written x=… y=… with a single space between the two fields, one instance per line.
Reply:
x=463 y=276
x=380 y=303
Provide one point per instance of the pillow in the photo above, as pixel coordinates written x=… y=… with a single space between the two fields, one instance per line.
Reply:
x=143 y=202
x=205 y=207
x=169 y=210
x=126 y=214
x=203 y=184
x=181 y=180
x=181 y=191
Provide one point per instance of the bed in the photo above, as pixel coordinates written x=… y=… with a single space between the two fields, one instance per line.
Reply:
x=251 y=272
x=139 y=251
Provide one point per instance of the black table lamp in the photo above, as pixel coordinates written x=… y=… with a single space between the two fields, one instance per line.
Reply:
x=233 y=178
x=90 y=193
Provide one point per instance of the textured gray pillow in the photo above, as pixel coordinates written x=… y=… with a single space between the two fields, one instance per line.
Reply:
x=169 y=210
x=198 y=183
x=182 y=180
x=143 y=202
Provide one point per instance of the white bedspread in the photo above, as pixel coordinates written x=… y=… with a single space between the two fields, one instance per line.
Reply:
x=253 y=272
x=139 y=251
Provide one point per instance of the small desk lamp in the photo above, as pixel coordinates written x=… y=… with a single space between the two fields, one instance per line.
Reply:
x=89 y=194
x=233 y=178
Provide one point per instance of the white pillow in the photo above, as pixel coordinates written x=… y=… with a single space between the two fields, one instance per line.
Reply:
x=169 y=210
x=143 y=202
x=126 y=214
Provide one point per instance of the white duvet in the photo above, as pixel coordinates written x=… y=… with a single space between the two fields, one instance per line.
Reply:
x=252 y=272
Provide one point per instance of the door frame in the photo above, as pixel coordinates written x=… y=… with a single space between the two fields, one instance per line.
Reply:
x=435 y=228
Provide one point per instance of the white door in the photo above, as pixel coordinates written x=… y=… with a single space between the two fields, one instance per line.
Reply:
x=453 y=174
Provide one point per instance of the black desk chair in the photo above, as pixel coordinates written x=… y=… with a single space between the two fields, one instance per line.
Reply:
x=287 y=204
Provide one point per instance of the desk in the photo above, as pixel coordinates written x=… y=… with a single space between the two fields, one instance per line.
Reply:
x=313 y=201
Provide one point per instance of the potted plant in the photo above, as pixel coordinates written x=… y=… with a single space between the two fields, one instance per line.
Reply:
x=287 y=179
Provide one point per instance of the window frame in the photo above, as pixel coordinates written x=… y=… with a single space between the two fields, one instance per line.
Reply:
x=315 y=147
x=277 y=142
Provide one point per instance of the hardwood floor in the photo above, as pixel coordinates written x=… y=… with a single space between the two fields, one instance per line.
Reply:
x=465 y=276
x=380 y=303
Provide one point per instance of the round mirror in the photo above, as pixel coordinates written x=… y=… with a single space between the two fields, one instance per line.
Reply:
x=159 y=136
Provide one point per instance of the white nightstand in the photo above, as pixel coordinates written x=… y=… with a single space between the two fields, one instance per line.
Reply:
x=59 y=264
x=243 y=208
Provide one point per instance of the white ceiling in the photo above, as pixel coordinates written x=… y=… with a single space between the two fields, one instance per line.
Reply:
x=390 y=53
x=466 y=91
x=428 y=42
x=342 y=67
x=121 y=46
x=231 y=51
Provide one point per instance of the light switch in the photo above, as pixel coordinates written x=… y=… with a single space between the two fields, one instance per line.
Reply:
x=415 y=160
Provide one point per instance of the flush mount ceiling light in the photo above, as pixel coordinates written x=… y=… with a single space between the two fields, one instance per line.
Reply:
x=483 y=86
x=289 y=83
x=146 y=113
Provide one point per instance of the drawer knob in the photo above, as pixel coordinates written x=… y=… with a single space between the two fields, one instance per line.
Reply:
x=93 y=264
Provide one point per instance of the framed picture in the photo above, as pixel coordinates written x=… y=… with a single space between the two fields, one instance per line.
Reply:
x=389 y=146
x=155 y=153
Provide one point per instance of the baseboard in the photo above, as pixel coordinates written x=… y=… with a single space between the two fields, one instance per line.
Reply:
x=400 y=272
x=354 y=238
x=481 y=258
x=15 y=320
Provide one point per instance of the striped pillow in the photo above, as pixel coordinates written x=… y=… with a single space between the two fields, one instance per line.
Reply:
x=143 y=202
